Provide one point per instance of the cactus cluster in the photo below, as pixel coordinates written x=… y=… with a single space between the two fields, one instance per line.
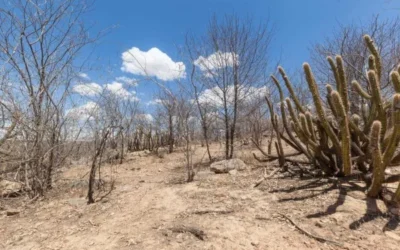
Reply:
x=334 y=140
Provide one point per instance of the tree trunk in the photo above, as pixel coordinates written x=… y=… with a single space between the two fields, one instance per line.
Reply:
x=171 y=135
x=94 y=166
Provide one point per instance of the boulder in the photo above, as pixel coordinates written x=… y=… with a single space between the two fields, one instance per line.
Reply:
x=10 y=188
x=225 y=166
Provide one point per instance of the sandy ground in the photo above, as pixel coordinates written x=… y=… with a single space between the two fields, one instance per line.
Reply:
x=151 y=198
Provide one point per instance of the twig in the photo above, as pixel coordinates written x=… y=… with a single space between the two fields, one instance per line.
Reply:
x=213 y=212
x=265 y=177
x=109 y=191
x=195 y=231
x=315 y=237
x=258 y=217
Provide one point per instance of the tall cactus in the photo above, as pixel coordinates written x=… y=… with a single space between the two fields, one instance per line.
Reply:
x=337 y=141
x=377 y=163
x=344 y=132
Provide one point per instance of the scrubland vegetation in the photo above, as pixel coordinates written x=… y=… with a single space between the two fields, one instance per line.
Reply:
x=238 y=153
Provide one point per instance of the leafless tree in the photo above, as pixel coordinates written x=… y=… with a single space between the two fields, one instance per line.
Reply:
x=232 y=59
x=347 y=41
x=39 y=44
x=168 y=102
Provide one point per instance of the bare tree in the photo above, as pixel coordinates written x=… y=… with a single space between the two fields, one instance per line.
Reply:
x=39 y=44
x=347 y=41
x=169 y=104
x=232 y=58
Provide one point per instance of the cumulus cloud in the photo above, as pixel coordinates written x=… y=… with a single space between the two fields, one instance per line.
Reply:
x=215 y=96
x=88 y=89
x=145 y=118
x=84 y=76
x=216 y=61
x=129 y=81
x=155 y=102
x=212 y=96
x=118 y=89
x=153 y=62
x=84 y=112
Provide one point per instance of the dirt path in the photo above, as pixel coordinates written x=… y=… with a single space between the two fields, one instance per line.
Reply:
x=150 y=198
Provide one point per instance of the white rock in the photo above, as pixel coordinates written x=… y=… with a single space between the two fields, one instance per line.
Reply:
x=233 y=172
x=225 y=166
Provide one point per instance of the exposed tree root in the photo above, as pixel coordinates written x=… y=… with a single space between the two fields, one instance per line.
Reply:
x=315 y=237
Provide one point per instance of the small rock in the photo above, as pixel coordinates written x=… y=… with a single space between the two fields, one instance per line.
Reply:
x=10 y=188
x=11 y=213
x=77 y=202
x=222 y=167
x=233 y=172
x=318 y=224
x=395 y=211
x=132 y=242
x=255 y=243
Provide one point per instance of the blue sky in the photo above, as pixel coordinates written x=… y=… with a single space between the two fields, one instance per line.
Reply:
x=163 y=24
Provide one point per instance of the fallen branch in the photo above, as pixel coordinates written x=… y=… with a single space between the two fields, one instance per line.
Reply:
x=213 y=212
x=112 y=187
x=185 y=229
x=273 y=158
x=258 y=217
x=315 y=237
x=265 y=177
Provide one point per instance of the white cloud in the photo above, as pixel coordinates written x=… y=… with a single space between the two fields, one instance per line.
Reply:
x=130 y=81
x=145 y=117
x=212 y=96
x=84 y=112
x=155 y=102
x=256 y=93
x=152 y=63
x=216 y=61
x=84 y=76
x=88 y=89
x=118 y=89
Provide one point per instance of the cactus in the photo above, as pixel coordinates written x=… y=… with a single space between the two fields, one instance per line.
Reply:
x=334 y=140
x=357 y=87
x=290 y=88
x=395 y=76
x=377 y=164
x=318 y=104
x=394 y=136
x=376 y=57
x=343 y=90
x=344 y=132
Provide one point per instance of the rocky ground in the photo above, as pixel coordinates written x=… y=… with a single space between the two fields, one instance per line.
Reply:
x=151 y=207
